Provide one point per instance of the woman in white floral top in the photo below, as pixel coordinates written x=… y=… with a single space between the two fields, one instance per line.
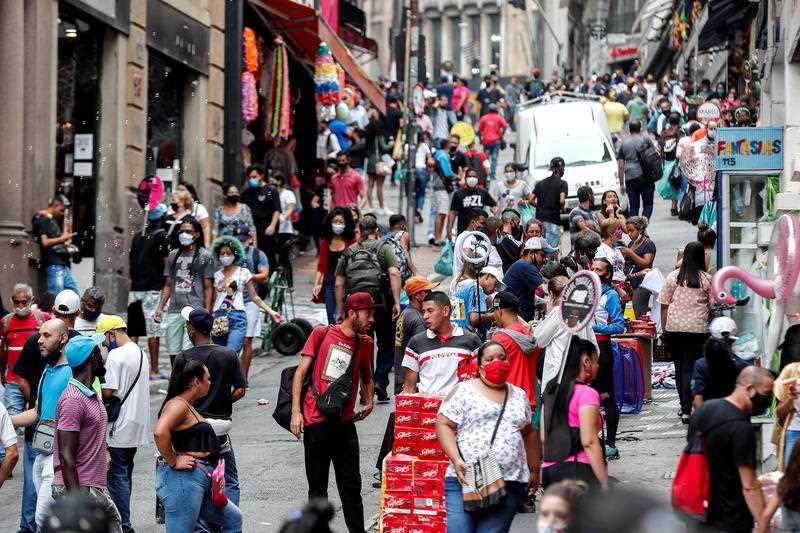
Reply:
x=467 y=419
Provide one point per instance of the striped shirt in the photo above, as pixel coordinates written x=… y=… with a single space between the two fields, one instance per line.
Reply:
x=441 y=363
x=80 y=410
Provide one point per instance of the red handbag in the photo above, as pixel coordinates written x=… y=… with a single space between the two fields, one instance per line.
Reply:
x=691 y=486
x=218 y=497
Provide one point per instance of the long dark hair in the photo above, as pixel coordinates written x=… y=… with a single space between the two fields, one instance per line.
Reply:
x=183 y=372
x=789 y=485
x=349 y=225
x=694 y=263
x=721 y=368
x=562 y=392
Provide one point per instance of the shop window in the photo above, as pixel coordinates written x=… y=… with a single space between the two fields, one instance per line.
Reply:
x=496 y=38
x=622 y=14
x=437 y=47
x=455 y=26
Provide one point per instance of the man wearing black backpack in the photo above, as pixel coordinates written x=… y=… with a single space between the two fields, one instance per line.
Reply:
x=336 y=359
x=632 y=176
x=371 y=266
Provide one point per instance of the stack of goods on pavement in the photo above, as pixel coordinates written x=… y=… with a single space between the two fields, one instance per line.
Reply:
x=412 y=491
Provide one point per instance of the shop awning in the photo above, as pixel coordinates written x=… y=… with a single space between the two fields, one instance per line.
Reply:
x=305 y=28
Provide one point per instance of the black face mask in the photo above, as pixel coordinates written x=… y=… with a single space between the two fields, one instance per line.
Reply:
x=174 y=206
x=233 y=198
x=761 y=403
x=90 y=316
x=516 y=232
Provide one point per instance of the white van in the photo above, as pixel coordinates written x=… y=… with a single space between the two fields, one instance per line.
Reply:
x=576 y=131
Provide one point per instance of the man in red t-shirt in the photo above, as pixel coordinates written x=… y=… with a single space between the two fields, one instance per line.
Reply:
x=330 y=354
x=347 y=186
x=491 y=128
x=15 y=329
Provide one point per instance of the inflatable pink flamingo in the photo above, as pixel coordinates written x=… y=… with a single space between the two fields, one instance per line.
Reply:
x=784 y=267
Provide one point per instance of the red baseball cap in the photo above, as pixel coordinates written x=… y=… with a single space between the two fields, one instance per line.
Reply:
x=358 y=301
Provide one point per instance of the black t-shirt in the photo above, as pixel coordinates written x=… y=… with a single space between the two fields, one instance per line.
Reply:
x=458 y=160
x=147 y=259
x=44 y=224
x=30 y=367
x=548 y=198
x=226 y=375
x=641 y=248
x=509 y=250
x=393 y=117
x=465 y=200
x=488 y=96
x=263 y=202
x=730 y=443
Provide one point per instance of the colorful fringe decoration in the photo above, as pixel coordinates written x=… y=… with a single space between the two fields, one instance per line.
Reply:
x=249 y=98
x=278 y=99
x=327 y=80
x=250 y=61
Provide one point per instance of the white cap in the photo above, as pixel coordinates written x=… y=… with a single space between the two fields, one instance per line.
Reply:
x=67 y=302
x=723 y=326
x=538 y=243
x=497 y=273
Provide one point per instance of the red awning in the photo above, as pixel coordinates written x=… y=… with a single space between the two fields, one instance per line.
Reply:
x=305 y=28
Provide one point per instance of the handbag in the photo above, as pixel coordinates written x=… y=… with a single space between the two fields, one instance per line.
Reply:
x=113 y=404
x=220 y=326
x=218 y=497
x=44 y=436
x=686 y=207
x=485 y=486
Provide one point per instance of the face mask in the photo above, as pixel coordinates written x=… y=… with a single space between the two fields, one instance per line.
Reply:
x=90 y=316
x=254 y=182
x=22 y=311
x=186 y=239
x=472 y=182
x=510 y=176
x=761 y=403
x=496 y=371
x=720 y=92
x=233 y=198
x=543 y=527
x=226 y=260
x=337 y=229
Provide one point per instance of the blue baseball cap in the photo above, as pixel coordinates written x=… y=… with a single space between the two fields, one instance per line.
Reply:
x=159 y=211
x=79 y=348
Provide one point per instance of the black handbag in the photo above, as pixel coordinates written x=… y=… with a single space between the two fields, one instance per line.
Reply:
x=331 y=402
x=686 y=208
x=113 y=404
x=675 y=178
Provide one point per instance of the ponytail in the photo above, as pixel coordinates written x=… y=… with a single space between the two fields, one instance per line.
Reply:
x=183 y=372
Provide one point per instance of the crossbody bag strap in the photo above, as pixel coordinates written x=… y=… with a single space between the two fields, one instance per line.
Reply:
x=499 y=418
x=136 y=379
x=310 y=377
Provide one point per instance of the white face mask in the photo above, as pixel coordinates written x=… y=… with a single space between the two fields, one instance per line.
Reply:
x=510 y=176
x=472 y=182
x=226 y=260
x=543 y=527
x=337 y=229
x=185 y=239
x=22 y=311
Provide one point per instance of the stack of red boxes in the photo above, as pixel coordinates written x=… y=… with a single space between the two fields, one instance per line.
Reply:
x=412 y=495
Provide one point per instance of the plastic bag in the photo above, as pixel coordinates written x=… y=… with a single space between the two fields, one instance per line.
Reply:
x=526 y=213
x=709 y=215
x=444 y=265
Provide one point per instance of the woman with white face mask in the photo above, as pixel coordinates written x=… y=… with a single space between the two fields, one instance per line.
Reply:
x=230 y=282
x=511 y=192
x=557 y=505
x=338 y=233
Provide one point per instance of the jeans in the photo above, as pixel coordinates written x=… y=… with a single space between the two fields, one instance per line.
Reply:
x=792 y=438
x=685 y=349
x=330 y=297
x=237 y=329
x=384 y=335
x=493 y=151
x=335 y=442
x=186 y=495
x=552 y=234
x=231 y=482
x=120 y=483
x=15 y=404
x=27 y=518
x=420 y=184
x=432 y=214
x=43 y=481
x=59 y=277
x=494 y=520
x=640 y=192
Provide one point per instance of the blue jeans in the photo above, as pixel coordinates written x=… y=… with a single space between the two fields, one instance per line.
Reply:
x=186 y=495
x=420 y=184
x=330 y=298
x=552 y=233
x=641 y=193
x=792 y=438
x=237 y=329
x=120 y=483
x=59 y=277
x=231 y=482
x=27 y=518
x=495 y=520
x=15 y=404
x=493 y=151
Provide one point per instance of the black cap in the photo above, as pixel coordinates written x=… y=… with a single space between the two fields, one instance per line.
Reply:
x=505 y=300
x=199 y=318
x=557 y=162
x=241 y=232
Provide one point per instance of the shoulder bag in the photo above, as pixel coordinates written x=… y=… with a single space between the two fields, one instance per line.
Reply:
x=485 y=486
x=331 y=402
x=113 y=404
x=44 y=433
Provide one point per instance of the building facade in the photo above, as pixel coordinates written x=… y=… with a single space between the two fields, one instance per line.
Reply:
x=104 y=93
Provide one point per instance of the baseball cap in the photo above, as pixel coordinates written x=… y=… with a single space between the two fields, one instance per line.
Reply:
x=723 y=326
x=67 y=302
x=496 y=272
x=156 y=213
x=492 y=107
x=109 y=322
x=200 y=319
x=538 y=243
x=358 y=301
x=241 y=232
x=80 y=347
x=415 y=284
x=504 y=300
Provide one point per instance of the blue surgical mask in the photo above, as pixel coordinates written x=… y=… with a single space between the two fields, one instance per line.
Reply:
x=112 y=345
x=254 y=182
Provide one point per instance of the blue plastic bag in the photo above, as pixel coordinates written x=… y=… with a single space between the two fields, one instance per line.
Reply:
x=628 y=379
x=444 y=265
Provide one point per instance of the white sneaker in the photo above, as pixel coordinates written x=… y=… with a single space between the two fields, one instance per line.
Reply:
x=386 y=211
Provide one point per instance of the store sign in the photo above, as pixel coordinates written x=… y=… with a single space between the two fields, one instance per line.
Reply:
x=115 y=13
x=624 y=53
x=177 y=35
x=749 y=149
x=579 y=300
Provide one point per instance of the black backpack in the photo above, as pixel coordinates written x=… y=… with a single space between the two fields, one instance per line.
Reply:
x=363 y=270
x=651 y=163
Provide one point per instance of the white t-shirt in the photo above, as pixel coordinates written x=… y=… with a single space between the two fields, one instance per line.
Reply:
x=225 y=297
x=132 y=428
x=7 y=434
x=509 y=197
x=287 y=197
x=421 y=155
x=199 y=211
x=614 y=256
x=84 y=327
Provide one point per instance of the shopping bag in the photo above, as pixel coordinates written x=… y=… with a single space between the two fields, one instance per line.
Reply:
x=687 y=205
x=709 y=215
x=444 y=265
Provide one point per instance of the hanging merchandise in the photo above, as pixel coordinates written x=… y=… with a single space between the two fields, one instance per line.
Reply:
x=326 y=79
x=278 y=99
x=249 y=98
x=250 y=61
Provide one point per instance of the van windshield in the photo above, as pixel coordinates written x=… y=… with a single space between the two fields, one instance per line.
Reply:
x=575 y=151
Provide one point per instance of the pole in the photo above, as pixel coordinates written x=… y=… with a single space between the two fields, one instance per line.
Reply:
x=232 y=163
x=412 y=38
